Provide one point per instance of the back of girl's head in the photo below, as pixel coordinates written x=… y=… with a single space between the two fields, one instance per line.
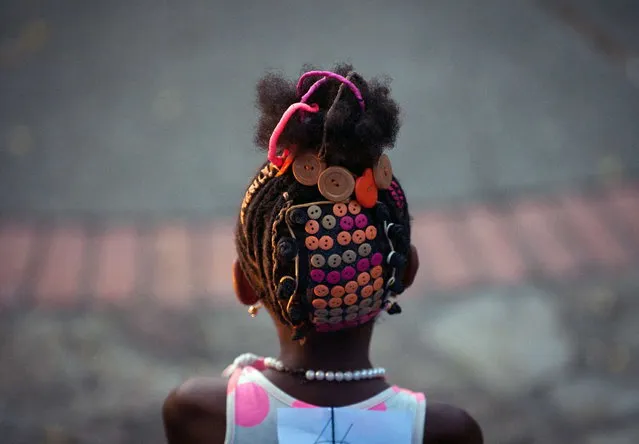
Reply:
x=323 y=233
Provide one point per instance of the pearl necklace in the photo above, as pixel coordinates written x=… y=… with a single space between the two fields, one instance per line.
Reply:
x=330 y=376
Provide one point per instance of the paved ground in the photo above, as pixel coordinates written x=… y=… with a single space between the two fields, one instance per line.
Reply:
x=124 y=150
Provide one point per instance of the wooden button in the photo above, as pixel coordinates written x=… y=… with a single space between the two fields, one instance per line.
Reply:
x=314 y=212
x=340 y=209
x=383 y=172
x=376 y=271
x=344 y=238
x=336 y=184
x=354 y=208
x=366 y=190
x=319 y=303
x=307 y=169
x=335 y=302
x=312 y=243
x=350 y=299
x=311 y=227
x=321 y=291
x=338 y=291
x=326 y=242
x=351 y=287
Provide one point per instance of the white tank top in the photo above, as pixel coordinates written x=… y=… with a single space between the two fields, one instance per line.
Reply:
x=252 y=402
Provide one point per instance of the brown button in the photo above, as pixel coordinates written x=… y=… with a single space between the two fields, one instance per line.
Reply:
x=307 y=169
x=383 y=172
x=336 y=184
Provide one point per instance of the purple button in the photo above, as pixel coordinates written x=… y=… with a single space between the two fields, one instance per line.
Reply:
x=348 y=273
x=333 y=277
x=346 y=223
x=363 y=265
x=317 y=275
x=361 y=221
x=377 y=259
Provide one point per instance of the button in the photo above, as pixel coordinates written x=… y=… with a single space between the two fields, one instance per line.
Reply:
x=317 y=260
x=338 y=291
x=363 y=279
x=352 y=309
x=329 y=222
x=366 y=303
x=351 y=287
x=349 y=256
x=363 y=265
x=336 y=184
x=314 y=212
x=340 y=209
x=344 y=238
x=359 y=237
x=319 y=303
x=321 y=291
x=351 y=316
x=371 y=232
x=307 y=169
x=366 y=189
x=350 y=299
x=364 y=250
x=320 y=321
x=377 y=271
x=376 y=305
x=367 y=291
x=334 y=260
x=362 y=312
x=312 y=227
x=326 y=242
x=378 y=284
x=383 y=172
x=360 y=221
x=335 y=302
x=347 y=223
x=336 y=312
x=377 y=259
x=317 y=275
x=298 y=216
x=354 y=208
x=378 y=294
x=348 y=273
x=322 y=313
x=335 y=320
x=333 y=277
x=312 y=243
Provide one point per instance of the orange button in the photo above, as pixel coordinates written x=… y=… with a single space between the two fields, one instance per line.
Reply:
x=366 y=190
x=363 y=279
x=326 y=242
x=337 y=291
x=350 y=299
x=319 y=303
x=371 y=232
x=344 y=238
x=376 y=271
x=336 y=184
x=359 y=236
x=312 y=226
x=339 y=209
x=311 y=243
x=321 y=291
x=351 y=287
x=379 y=283
x=354 y=208
x=335 y=302
x=367 y=291
x=307 y=169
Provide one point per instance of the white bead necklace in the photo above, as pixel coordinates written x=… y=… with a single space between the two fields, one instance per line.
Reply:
x=330 y=376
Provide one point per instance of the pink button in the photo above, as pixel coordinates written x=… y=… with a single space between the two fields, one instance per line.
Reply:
x=346 y=223
x=377 y=259
x=360 y=221
x=317 y=275
x=333 y=277
x=348 y=273
x=363 y=265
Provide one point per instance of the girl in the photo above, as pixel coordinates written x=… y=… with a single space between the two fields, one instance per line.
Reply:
x=323 y=243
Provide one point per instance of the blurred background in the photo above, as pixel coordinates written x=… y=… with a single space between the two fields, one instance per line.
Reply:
x=126 y=147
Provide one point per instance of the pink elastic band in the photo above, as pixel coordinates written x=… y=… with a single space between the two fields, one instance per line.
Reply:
x=276 y=160
x=328 y=75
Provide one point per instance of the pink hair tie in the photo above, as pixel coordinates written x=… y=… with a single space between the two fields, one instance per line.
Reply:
x=276 y=160
x=328 y=75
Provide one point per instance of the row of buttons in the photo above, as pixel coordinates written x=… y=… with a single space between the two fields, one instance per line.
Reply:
x=334 y=277
x=350 y=299
x=336 y=317
x=344 y=238
x=329 y=222
x=348 y=257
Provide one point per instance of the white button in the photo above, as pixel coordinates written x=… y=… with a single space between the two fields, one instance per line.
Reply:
x=349 y=256
x=318 y=261
x=329 y=222
x=314 y=212
x=334 y=260
x=336 y=312
x=364 y=250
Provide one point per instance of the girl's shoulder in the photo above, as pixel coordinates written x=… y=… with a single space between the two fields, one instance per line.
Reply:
x=447 y=424
x=195 y=412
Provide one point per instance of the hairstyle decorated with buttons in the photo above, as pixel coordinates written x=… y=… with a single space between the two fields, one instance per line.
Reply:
x=327 y=253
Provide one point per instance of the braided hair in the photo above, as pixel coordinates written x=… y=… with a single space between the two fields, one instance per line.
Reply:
x=304 y=285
